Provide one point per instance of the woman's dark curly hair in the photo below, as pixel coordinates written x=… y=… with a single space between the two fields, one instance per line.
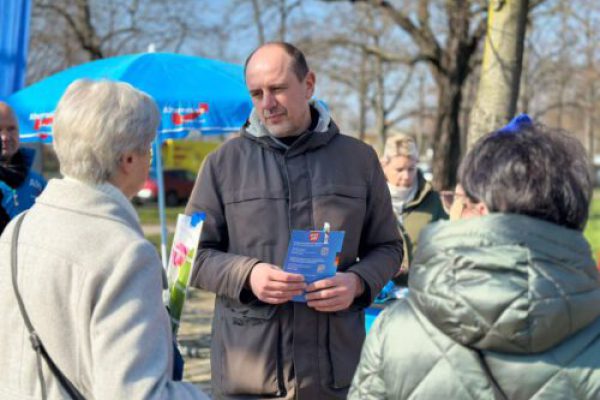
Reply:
x=531 y=170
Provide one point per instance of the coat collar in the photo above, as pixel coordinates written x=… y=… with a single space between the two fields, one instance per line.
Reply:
x=104 y=200
x=255 y=127
x=324 y=131
x=423 y=189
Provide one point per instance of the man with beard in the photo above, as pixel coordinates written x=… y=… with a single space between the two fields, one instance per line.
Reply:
x=19 y=185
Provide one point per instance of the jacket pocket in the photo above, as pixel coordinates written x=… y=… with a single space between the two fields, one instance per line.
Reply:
x=345 y=208
x=247 y=355
x=253 y=218
x=345 y=339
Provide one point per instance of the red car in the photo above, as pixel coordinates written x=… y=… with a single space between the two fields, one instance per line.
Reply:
x=178 y=187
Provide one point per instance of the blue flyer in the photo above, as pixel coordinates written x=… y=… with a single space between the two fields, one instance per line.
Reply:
x=313 y=254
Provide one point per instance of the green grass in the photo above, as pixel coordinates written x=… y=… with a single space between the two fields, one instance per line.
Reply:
x=149 y=214
x=592 y=230
x=155 y=240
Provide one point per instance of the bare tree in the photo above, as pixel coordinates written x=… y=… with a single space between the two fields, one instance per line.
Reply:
x=560 y=70
x=270 y=18
x=256 y=14
x=588 y=21
x=449 y=65
x=68 y=32
x=380 y=84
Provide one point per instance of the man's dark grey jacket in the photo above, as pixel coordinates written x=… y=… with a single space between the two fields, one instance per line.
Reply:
x=254 y=191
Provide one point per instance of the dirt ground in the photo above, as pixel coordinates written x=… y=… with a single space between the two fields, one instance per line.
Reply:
x=194 y=337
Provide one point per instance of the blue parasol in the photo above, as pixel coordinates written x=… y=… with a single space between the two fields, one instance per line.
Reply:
x=194 y=95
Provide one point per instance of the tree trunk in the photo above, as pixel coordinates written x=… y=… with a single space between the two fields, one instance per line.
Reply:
x=260 y=29
x=363 y=87
x=590 y=121
x=422 y=111
x=446 y=141
x=501 y=68
x=380 y=103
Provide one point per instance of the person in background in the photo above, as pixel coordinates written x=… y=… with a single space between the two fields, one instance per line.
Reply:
x=19 y=185
x=91 y=284
x=415 y=202
x=291 y=168
x=503 y=300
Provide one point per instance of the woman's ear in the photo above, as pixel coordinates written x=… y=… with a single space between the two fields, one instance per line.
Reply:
x=126 y=162
x=481 y=208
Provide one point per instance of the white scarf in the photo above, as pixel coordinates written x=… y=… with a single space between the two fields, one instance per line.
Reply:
x=400 y=197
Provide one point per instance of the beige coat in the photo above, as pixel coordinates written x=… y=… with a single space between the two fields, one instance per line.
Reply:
x=92 y=287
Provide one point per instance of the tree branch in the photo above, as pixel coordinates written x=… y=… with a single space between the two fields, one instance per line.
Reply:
x=422 y=36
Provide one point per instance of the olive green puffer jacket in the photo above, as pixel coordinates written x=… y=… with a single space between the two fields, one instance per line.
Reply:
x=521 y=293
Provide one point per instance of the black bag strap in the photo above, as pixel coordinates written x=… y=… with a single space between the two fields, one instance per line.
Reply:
x=36 y=342
x=498 y=393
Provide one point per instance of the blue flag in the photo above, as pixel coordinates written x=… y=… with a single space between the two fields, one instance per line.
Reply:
x=14 y=40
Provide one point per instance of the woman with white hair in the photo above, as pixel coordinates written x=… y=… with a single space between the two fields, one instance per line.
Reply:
x=415 y=202
x=85 y=279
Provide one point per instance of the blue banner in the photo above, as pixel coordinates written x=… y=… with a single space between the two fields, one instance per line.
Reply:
x=14 y=41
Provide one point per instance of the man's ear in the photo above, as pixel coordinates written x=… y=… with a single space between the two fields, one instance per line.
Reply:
x=310 y=82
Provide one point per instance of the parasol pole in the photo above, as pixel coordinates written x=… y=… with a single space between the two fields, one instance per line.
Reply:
x=161 y=199
x=161 y=189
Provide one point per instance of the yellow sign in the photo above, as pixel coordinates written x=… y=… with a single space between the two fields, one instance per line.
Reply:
x=186 y=154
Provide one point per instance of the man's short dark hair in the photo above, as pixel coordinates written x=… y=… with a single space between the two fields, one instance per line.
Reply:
x=299 y=64
x=535 y=171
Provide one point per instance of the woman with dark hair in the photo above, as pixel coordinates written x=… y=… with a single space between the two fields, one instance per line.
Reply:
x=504 y=302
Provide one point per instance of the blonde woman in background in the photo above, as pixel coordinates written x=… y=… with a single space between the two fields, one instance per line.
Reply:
x=415 y=202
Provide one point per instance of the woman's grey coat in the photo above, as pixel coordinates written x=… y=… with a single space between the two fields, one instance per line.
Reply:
x=92 y=287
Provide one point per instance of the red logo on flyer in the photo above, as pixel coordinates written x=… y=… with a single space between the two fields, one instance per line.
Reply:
x=314 y=236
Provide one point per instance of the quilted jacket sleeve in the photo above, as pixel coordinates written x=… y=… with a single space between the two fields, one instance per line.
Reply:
x=368 y=380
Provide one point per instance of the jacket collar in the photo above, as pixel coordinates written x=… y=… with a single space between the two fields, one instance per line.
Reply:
x=255 y=127
x=324 y=131
x=104 y=200
x=423 y=189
